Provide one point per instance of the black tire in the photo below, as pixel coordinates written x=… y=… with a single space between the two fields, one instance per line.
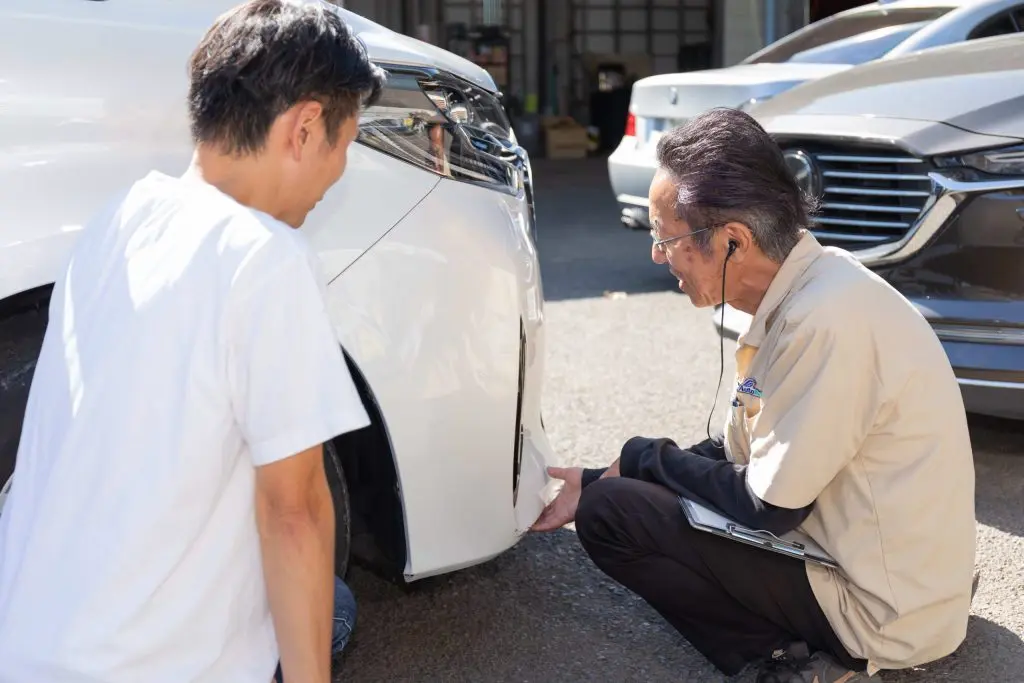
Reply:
x=21 y=337
x=342 y=510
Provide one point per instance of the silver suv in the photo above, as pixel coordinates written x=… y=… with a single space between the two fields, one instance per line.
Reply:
x=919 y=166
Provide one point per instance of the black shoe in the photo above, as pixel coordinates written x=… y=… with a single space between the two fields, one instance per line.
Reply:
x=795 y=664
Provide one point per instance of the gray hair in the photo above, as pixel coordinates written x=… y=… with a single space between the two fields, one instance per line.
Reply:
x=728 y=169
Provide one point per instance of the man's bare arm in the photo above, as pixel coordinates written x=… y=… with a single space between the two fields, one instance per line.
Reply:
x=295 y=516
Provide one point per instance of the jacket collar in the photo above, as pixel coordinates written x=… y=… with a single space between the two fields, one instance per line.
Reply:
x=806 y=251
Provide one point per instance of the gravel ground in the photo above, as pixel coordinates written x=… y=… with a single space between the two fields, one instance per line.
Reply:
x=627 y=355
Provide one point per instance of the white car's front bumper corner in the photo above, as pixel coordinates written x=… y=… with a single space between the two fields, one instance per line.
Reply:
x=535 y=486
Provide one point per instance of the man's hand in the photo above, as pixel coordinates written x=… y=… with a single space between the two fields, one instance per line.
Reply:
x=562 y=509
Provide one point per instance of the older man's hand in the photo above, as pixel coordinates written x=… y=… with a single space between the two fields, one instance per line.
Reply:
x=562 y=509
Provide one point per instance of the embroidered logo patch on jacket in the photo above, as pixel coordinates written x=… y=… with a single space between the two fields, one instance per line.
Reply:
x=749 y=386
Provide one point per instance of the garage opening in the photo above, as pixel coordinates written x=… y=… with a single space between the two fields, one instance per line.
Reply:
x=613 y=43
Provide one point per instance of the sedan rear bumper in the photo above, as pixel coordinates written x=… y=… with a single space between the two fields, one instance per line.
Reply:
x=631 y=169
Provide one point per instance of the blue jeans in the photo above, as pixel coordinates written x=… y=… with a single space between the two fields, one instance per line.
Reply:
x=344 y=621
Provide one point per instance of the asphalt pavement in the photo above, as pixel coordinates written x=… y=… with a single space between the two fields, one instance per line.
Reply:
x=627 y=354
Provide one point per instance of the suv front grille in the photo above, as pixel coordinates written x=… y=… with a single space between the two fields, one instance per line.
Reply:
x=869 y=194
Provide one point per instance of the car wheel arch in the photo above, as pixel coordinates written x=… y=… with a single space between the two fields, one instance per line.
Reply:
x=367 y=458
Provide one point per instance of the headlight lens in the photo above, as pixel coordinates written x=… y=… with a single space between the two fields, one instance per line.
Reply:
x=446 y=126
x=1002 y=161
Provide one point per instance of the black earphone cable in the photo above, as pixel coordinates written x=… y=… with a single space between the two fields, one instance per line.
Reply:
x=721 y=343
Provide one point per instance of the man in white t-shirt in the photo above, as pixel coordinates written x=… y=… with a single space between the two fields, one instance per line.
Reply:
x=170 y=520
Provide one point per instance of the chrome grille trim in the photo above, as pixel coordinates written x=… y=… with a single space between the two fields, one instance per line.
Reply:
x=870 y=193
x=874 y=176
x=868 y=224
x=869 y=207
x=839 y=189
x=869 y=160
x=848 y=237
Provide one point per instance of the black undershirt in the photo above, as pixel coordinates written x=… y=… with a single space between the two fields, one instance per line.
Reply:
x=703 y=474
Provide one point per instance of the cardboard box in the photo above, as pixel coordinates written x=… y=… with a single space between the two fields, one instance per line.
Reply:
x=564 y=138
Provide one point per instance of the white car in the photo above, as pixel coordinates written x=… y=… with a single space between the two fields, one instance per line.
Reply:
x=879 y=30
x=435 y=288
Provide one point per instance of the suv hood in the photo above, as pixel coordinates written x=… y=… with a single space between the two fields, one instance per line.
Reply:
x=976 y=86
x=686 y=94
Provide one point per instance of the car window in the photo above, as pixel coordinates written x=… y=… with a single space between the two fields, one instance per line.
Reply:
x=999 y=25
x=860 y=48
x=838 y=28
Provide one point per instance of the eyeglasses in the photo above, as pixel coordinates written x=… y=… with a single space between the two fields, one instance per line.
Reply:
x=660 y=244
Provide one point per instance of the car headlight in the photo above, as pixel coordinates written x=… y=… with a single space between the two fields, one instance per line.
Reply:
x=1002 y=161
x=447 y=126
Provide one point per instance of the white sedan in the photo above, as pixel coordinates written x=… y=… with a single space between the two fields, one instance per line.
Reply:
x=435 y=288
x=879 y=30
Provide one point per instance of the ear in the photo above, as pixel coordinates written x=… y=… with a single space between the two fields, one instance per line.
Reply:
x=304 y=121
x=741 y=235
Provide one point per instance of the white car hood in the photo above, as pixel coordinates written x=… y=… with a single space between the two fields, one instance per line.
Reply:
x=686 y=94
x=385 y=45
x=382 y=44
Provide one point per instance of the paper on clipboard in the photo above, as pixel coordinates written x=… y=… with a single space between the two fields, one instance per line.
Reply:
x=795 y=544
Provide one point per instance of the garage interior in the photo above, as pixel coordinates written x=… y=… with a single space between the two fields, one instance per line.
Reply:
x=566 y=67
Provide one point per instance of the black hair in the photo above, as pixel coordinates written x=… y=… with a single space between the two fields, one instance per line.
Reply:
x=265 y=56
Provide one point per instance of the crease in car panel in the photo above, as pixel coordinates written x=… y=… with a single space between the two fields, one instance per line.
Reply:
x=385 y=233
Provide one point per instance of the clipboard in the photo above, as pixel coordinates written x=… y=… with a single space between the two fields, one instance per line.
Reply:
x=794 y=544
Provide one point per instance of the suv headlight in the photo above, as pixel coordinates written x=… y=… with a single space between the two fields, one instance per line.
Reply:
x=447 y=126
x=1002 y=161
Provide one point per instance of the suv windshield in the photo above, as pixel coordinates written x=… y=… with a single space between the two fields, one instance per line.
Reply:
x=839 y=28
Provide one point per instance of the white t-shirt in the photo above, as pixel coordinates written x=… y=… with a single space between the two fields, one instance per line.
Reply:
x=188 y=344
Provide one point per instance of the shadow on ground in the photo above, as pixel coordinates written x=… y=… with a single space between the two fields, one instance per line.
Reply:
x=543 y=612
x=989 y=653
x=999 y=462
